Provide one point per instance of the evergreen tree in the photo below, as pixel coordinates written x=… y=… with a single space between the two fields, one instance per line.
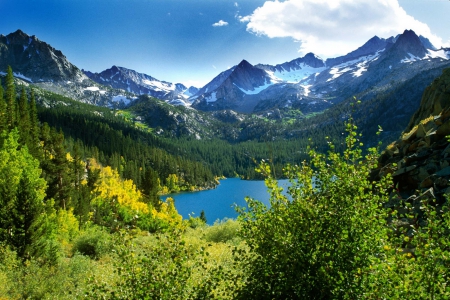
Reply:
x=22 y=191
x=34 y=146
x=2 y=109
x=10 y=98
x=203 y=216
x=59 y=172
x=24 y=119
x=150 y=188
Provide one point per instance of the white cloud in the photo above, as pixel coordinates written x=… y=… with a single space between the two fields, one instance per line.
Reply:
x=331 y=28
x=220 y=23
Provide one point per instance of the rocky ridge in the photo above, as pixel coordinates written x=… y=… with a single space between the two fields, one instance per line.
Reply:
x=143 y=84
x=34 y=60
x=419 y=160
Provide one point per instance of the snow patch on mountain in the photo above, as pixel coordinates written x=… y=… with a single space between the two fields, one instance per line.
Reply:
x=442 y=53
x=92 y=88
x=358 y=66
x=361 y=68
x=121 y=98
x=21 y=76
x=411 y=58
x=255 y=90
x=159 y=86
x=211 y=98
x=294 y=76
x=306 y=89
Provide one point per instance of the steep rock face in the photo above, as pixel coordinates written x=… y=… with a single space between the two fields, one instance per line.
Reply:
x=247 y=77
x=34 y=60
x=407 y=48
x=435 y=99
x=419 y=160
x=426 y=42
x=233 y=89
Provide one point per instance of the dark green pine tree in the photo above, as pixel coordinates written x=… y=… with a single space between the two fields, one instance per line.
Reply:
x=45 y=137
x=80 y=194
x=27 y=211
x=203 y=217
x=2 y=109
x=22 y=192
x=34 y=146
x=24 y=119
x=150 y=188
x=59 y=169
x=10 y=98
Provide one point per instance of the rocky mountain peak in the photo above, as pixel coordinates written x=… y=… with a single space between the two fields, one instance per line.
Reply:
x=247 y=77
x=244 y=65
x=36 y=61
x=313 y=60
x=370 y=47
x=409 y=42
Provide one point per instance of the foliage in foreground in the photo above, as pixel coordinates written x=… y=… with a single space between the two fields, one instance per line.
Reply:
x=330 y=237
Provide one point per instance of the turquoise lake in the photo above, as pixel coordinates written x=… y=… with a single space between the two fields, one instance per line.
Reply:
x=219 y=203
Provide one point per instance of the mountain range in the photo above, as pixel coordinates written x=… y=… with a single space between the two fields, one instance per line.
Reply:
x=313 y=84
x=404 y=64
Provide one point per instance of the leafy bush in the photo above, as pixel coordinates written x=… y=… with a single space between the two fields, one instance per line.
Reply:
x=161 y=271
x=222 y=231
x=94 y=243
x=195 y=222
x=316 y=243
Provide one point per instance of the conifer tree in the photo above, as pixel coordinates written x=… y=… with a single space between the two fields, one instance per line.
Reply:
x=22 y=191
x=150 y=188
x=2 y=109
x=24 y=119
x=34 y=127
x=10 y=98
x=59 y=171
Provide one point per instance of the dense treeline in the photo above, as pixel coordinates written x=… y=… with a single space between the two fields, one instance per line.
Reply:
x=117 y=143
x=114 y=142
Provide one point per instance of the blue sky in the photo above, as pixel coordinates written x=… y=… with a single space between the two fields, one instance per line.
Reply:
x=191 y=41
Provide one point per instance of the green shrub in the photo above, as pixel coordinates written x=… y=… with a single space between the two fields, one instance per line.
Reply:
x=195 y=222
x=94 y=242
x=222 y=231
x=316 y=243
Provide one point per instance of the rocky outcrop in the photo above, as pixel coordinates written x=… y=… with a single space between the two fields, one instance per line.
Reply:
x=419 y=160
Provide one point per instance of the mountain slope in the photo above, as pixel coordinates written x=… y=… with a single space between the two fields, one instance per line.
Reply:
x=243 y=87
x=313 y=84
x=34 y=60
x=39 y=63
x=139 y=84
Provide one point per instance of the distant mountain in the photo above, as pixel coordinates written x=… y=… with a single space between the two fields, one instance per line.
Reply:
x=312 y=84
x=426 y=42
x=369 y=48
x=308 y=84
x=242 y=88
x=35 y=61
x=143 y=84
